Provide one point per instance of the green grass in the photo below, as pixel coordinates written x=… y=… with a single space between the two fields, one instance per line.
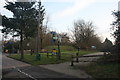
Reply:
x=100 y=70
x=67 y=49
x=63 y=48
x=31 y=59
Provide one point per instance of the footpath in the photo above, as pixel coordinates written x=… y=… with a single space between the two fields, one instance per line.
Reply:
x=66 y=67
x=50 y=70
x=12 y=63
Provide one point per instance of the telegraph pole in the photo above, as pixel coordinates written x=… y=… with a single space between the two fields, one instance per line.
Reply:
x=40 y=23
x=38 y=31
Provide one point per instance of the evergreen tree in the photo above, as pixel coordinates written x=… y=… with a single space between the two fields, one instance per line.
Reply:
x=116 y=26
x=24 y=21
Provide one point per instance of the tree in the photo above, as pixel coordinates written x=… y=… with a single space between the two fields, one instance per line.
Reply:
x=84 y=34
x=107 y=45
x=24 y=21
x=116 y=27
x=65 y=40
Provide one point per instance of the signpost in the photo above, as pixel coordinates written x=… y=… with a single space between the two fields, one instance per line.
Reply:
x=54 y=38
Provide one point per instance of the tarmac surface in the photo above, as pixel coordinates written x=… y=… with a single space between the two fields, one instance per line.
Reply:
x=66 y=67
x=12 y=69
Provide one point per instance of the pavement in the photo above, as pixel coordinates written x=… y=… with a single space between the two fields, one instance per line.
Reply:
x=0 y=65
x=13 y=69
x=11 y=63
x=72 y=70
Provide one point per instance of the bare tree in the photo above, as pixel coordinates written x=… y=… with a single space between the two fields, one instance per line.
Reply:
x=65 y=40
x=84 y=33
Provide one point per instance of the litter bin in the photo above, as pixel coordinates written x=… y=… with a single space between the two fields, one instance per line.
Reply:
x=38 y=56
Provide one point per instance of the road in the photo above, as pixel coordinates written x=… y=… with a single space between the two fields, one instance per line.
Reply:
x=15 y=69
x=0 y=65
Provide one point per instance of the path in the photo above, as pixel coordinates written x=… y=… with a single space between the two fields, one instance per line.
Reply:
x=67 y=69
x=11 y=63
x=16 y=69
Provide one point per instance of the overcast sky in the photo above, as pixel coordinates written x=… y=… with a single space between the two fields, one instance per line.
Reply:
x=63 y=13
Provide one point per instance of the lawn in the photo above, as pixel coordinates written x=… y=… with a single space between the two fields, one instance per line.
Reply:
x=31 y=59
x=101 y=70
x=104 y=70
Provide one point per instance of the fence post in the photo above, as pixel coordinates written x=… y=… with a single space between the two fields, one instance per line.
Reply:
x=77 y=57
x=104 y=54
x=72 y=61
x=104 y=57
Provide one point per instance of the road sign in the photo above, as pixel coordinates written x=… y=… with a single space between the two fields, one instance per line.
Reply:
x=55 y=38
x=53 y=33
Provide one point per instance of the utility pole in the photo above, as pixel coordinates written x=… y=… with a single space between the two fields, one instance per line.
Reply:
x=37 y=37
x=2 y=43
x=13 y=43
x=41 y=31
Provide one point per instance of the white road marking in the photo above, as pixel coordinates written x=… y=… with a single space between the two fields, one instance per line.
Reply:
x=25 y=73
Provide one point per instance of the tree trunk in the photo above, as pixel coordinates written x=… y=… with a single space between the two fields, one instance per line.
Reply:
x=41 y=47
x=21 y=46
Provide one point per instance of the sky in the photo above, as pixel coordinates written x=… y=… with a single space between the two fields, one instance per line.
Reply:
x=63 y=13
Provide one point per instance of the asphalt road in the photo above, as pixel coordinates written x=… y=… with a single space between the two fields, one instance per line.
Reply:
x=12 y=69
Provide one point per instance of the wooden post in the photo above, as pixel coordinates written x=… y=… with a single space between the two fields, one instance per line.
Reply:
x=77 y=57
x=47 y=55
x=72 y=61
x=104 y=56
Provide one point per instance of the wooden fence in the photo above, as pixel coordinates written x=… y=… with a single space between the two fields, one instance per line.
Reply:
x=75 y=58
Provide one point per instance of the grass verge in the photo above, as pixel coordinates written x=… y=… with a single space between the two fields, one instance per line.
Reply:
x=31 y=59
x=101 y=70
